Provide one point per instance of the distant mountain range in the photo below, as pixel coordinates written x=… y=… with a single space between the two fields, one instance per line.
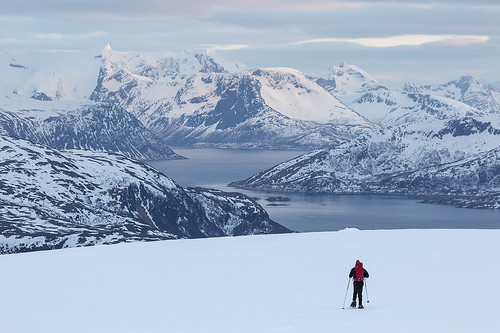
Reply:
x=189 y=98
x=52 y=199
x=194 y=101
x=431 y=140
x=435 y=141
x=199 y=99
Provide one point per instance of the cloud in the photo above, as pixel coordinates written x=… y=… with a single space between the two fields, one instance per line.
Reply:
x=49 y=36
x=402 y=40
x=59 y=36
x=157 y=9
x=225 y=47
x=127 y=10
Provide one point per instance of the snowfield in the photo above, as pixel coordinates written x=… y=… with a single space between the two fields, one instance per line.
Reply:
x=421 y=281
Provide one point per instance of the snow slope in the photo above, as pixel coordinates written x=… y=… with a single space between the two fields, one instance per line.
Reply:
x=420 y=281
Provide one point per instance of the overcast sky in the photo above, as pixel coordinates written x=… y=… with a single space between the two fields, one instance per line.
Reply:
x=421 y=41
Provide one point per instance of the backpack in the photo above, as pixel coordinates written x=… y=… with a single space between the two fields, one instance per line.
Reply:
x=359 y=276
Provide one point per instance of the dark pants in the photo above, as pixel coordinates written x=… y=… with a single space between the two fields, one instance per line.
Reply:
x=358 y=290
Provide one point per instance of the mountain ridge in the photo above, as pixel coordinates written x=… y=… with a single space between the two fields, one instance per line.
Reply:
x=53 y=199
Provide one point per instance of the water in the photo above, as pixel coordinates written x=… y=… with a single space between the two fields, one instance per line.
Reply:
x=216 y=168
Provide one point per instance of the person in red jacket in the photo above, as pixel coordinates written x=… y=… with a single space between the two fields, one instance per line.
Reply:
x=358 y=273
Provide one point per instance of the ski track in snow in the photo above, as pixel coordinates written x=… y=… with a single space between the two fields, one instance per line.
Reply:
x=420 y=281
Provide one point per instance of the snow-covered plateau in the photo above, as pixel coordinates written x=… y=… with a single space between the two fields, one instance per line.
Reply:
x=433 y=281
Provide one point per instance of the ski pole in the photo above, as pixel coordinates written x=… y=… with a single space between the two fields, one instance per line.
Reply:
x=345 y=297
x=366 y=290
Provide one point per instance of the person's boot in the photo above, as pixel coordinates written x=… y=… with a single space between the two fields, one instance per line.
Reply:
x=353 y=304
x=361 y=306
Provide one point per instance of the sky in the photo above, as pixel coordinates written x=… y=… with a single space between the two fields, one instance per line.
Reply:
x=426 y=41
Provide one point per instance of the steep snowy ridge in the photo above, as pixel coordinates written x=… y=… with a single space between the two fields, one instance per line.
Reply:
x=52 y=199
x=234 y=110
x=80 y=125
x=135 y=81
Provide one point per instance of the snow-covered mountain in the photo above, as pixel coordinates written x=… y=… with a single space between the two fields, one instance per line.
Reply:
x=445 y=157
x=80 y=125
x=469 y=90
x=386 y=107
x=52 y=199
x=392 y=108
x=189 y=98
x=205 y=105
x=44 y=98
x=429 y=145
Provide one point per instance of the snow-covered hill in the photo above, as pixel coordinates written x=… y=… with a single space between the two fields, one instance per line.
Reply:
x=454 y=157
x=420 y=281
x=205 y=105
x=52 y=199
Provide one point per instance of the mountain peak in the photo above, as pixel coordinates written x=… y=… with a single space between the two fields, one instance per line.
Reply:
x=344 y=64
x=352 y=79
x=107 y=49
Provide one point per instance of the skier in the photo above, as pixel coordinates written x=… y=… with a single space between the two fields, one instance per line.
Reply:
x=358 y=273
